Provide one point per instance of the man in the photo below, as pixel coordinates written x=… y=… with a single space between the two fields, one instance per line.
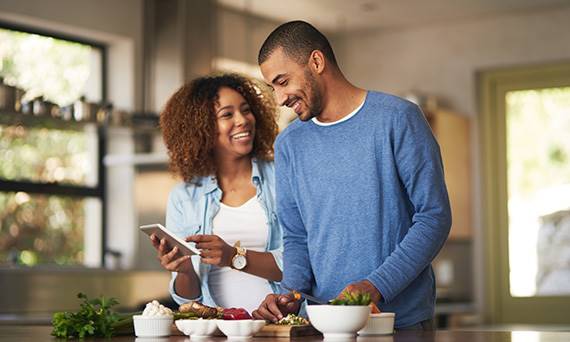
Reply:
x=360 y=190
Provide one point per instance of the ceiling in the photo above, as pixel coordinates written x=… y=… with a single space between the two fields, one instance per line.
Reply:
x=350 y=15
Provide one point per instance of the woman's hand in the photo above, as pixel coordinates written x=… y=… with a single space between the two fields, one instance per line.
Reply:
x=213 y=249
x=168 y=258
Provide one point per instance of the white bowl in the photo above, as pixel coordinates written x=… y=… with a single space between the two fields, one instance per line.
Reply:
x=338 y=321
x=240 y=329
x=379 y=324
x=197 y=328
x=149 y=326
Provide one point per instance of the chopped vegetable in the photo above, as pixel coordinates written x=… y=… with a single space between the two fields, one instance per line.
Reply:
x=292 y=319
x=94 y=318
x=185 y=315
x=352 y=298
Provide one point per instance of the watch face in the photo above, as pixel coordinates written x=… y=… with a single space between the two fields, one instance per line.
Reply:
x=239 y=262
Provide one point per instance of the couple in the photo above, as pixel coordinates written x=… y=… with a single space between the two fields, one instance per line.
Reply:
x=356 y=200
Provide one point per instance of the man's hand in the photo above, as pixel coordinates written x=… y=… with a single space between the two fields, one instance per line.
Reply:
x=363 y=287
x=213 y=250
x=275 y=307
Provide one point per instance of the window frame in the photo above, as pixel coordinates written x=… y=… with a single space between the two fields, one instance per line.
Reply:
x=43 y=188
x=493 y=84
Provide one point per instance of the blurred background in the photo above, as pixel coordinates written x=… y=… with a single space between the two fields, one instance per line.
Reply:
x=82 y=163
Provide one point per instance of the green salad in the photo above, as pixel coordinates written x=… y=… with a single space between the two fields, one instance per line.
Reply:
x=352 y=298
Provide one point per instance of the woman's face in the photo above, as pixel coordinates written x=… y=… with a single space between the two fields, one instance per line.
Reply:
x=235 y=124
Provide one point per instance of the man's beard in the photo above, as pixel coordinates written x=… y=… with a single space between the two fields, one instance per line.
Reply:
x=315 y=97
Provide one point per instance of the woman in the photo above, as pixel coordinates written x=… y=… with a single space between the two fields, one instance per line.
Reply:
x=219 y=132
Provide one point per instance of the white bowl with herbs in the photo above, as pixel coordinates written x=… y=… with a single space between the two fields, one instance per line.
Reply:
x=341 y=318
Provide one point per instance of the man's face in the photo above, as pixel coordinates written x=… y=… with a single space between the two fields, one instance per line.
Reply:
x=294 y=85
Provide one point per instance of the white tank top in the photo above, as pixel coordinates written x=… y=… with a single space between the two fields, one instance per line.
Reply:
x=248 y=224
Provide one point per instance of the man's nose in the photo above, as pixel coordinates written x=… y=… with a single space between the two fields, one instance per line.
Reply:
x=281 y=97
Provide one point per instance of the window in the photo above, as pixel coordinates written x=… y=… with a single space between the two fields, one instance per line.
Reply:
x=51 y=175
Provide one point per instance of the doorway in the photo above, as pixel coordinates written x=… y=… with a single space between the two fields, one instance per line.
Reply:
x=525 y=135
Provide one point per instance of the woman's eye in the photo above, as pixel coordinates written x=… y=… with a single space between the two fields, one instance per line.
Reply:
x=246 y=110
x=226 y=115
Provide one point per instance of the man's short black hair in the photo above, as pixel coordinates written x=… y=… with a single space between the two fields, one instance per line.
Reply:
x=298 y=39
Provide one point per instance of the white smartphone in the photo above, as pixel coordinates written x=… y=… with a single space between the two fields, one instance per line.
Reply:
x=184 y=248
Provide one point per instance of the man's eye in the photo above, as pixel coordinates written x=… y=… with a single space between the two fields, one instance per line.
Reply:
x=283 y=83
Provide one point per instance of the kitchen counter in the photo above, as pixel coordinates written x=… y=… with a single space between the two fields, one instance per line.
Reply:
x=42 y=333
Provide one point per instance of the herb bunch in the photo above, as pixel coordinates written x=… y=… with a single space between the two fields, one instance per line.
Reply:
x=352 y=298
x=94 y=318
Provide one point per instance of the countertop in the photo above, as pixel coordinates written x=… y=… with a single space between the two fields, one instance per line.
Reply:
x=33 y=333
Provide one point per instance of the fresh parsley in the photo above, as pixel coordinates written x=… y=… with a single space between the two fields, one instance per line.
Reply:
x=94 y=318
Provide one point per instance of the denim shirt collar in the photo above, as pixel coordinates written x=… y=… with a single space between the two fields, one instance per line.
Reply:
x=211 y=182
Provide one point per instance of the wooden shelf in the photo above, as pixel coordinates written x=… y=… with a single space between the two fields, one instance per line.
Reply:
x=452 y=132
x=10 y=118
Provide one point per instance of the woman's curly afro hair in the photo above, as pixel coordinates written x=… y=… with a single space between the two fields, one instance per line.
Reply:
x=188 y=123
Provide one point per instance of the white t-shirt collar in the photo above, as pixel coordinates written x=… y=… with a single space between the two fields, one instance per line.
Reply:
x=351 y=114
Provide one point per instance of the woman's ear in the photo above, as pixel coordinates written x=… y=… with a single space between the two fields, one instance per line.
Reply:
x=317 y=61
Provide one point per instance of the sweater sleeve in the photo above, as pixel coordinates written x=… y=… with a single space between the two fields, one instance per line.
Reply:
x=419 y=165
x=297 y=272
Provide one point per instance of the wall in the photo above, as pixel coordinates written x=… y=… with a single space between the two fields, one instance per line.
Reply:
x=240 y=35
x=443 y=59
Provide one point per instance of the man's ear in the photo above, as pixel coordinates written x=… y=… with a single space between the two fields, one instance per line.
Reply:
x=317 y=62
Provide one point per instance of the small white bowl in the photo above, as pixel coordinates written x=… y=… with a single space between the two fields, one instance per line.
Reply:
x=240 y=329
x=338 y=321
x=149 y=326
x=379 y=324
x=197 y=328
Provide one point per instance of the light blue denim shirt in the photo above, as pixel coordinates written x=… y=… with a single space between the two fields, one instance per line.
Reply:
x=191 y=210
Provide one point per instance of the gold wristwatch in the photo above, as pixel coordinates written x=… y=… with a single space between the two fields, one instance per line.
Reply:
x=239 y=261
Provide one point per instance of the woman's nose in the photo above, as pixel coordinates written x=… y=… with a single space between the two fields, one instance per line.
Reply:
x=239 y=119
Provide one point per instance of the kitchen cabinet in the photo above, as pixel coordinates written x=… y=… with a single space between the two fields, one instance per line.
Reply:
x=452 y=132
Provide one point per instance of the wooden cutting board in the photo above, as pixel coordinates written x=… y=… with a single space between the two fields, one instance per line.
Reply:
x=275 y=330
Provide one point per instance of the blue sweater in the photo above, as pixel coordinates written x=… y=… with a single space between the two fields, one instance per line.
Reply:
x=364 y=199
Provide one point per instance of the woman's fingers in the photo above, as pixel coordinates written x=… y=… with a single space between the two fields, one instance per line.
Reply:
x=155 y=241
x=162 y=247
x=166 y=258
x=211 y=256
x=175 y=265
x=209 y=245
x=172 y=253
x=202 y=238
x=211 y=253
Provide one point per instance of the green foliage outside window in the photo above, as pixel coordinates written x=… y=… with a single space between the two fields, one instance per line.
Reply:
x=40 y=229
x=42 y=155
x=55 y=69
x=44 y=229
x=538 y=140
